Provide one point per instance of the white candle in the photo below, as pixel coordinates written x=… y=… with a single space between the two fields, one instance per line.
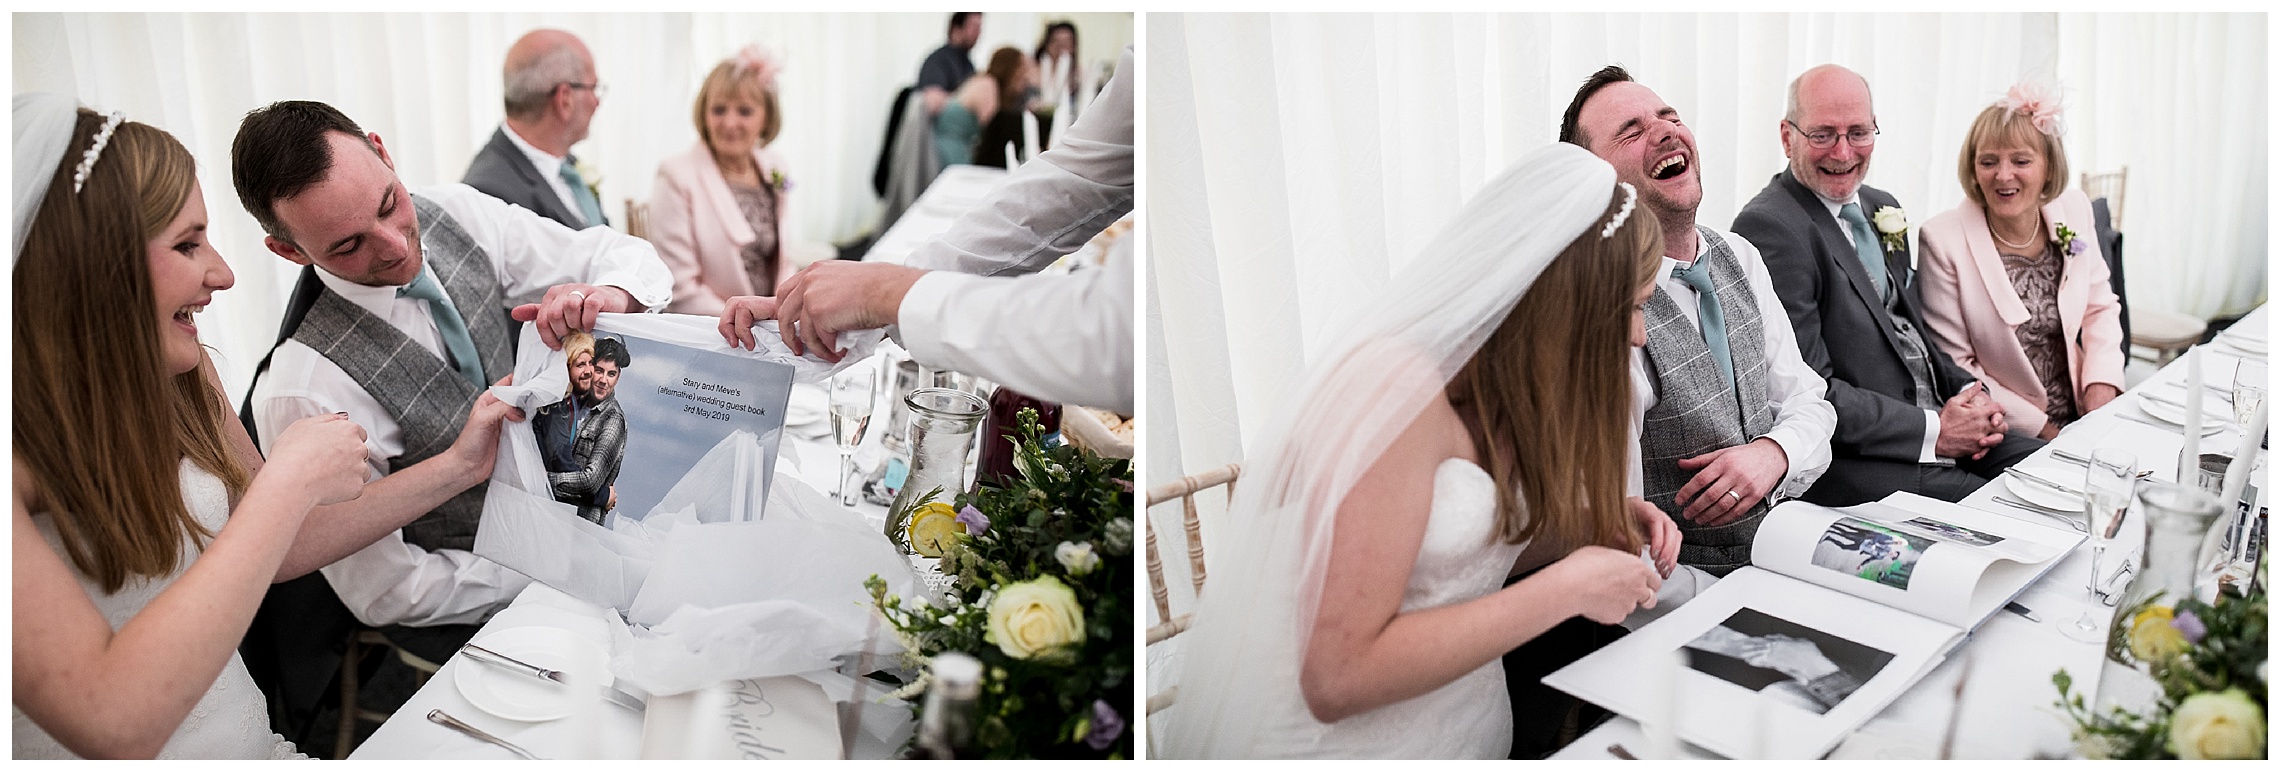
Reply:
x=2189 y=457
x=1662 y=732
x=2244 y=458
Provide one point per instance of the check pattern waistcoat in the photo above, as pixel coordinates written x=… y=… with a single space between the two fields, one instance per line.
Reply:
x=1698 y=411
x=428 y=399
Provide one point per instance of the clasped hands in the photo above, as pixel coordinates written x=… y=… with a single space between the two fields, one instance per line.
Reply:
x=823 y=300
x=1970 y=423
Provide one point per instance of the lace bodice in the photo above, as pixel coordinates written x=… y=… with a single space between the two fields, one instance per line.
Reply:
x=232 y=720
x=1459 y=560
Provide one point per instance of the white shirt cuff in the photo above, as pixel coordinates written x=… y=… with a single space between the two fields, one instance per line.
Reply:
x=1931 y=438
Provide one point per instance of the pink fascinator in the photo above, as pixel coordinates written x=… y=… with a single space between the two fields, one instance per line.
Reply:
x=751 y=58
x=2040 y=104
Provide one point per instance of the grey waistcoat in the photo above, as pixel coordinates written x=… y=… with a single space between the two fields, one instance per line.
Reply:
x=426 y=396
x=1697 y=411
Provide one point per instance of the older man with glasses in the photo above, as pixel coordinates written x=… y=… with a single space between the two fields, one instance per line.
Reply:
x=1908 y=419
x=551 y=94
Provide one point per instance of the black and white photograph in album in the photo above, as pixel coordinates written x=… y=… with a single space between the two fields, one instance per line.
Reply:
x=1783 y=660
x=1953 y=532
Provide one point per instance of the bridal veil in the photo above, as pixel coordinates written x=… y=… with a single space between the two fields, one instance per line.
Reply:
x=1239 y=678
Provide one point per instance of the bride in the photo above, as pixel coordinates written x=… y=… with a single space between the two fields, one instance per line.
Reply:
x=1471 y=428
x=146 y=526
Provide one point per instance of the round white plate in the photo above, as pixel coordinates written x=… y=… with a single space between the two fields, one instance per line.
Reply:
x=507 y=693
x=2043 y=495
x=2214 y=413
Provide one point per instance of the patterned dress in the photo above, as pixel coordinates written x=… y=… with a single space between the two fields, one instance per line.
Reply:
x=2043 y=336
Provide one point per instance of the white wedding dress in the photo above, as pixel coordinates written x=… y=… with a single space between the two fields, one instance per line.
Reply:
x=1460 y=559
x=232 y=720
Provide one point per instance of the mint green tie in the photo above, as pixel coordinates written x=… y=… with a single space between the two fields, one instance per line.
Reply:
x=1870 y=250
x=587 y=206
x=456 y=341
x=1713 y=315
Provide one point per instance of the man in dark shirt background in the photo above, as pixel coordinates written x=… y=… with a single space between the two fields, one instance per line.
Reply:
x=950 y=66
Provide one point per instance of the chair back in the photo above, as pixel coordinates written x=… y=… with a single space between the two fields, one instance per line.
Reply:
x=2110 y=245
x=1184 y=490
x=636 y=218
x=2110 y=186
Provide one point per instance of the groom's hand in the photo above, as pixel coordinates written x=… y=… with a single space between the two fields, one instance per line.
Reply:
x=1729 y=481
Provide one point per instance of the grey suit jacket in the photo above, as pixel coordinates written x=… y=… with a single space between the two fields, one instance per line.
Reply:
x=1842 y=328
x=501 y=171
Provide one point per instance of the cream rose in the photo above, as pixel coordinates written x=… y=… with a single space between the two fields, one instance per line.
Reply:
x=1891 y=219
x=1077 y=557
x=2220 y=725
x=1035 y=617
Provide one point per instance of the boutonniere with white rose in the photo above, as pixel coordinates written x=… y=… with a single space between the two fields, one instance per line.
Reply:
x=1892 y=228
x=592 y=176
x=2070 y=242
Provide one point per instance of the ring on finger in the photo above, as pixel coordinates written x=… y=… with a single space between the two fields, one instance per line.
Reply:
x=1734 y=493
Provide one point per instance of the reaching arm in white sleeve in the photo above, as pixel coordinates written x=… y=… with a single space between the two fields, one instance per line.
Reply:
x=532 y=253
x=1060 y=338
x=1052 y=206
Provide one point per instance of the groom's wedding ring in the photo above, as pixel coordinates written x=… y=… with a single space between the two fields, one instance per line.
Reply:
x=581 y=296
x=1736 y=494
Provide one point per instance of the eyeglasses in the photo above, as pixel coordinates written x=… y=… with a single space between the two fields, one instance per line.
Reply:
x=1828 y=139
x=599 y=88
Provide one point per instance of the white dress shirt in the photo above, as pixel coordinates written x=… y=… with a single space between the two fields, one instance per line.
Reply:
x=1931 y=417
x=550 y=168
x=1058 y=338
x=391 y=581
x=1803 y=419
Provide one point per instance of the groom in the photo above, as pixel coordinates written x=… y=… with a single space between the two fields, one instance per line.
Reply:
x=1734 y=420
x=1906 y=417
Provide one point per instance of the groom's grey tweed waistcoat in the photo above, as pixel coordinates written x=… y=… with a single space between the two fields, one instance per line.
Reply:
x=1697 y=410
x=425 y=394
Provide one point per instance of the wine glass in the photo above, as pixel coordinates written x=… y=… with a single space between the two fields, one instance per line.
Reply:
x=2247 y=390
x=2106 y=494
x=852 y=392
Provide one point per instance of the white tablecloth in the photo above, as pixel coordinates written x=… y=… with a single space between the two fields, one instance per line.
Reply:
x=2007 y=707
x=954 y=191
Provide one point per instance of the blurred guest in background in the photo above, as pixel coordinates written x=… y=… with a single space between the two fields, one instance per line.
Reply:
x=551 y=96
x=2014 y=286
x=1011 y=77
x=717 y=211
x=1060 y=84
x=952 y=64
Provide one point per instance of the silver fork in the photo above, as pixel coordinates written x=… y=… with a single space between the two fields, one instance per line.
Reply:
x=462 y=727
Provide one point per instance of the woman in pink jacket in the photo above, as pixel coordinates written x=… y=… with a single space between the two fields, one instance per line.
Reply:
x=716 y=213
x=2014 y=286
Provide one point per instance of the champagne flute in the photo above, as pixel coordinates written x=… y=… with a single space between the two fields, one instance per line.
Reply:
x=852 y=392
x=2106 y=494
x=2247 y=390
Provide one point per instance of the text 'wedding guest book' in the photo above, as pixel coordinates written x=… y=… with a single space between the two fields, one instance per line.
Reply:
x=1839 y=612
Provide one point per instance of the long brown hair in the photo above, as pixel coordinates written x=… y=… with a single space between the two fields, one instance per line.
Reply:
x=1005 y=68
x=1547 y=397
x=101 y=427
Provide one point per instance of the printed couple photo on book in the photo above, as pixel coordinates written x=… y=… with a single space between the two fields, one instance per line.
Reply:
x=684 y=406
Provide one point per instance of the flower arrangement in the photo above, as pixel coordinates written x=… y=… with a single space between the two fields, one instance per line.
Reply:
x=1041 y=596
x=1892 y=227
x=2071 y=242
x=2210 y=662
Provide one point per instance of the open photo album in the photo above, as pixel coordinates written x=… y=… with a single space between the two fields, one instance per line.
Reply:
x=1839 y=612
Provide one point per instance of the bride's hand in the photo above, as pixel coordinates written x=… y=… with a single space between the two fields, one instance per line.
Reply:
x=1606 y=584
x=1662 y=534
x=321 y=456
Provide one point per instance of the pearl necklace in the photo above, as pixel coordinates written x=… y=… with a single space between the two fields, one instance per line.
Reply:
x=2006 y=242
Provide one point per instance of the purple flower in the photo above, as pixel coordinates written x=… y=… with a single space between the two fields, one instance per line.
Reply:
x=974 y=520
x=1106 y=726
x=2077 y=246
x=2190 y=626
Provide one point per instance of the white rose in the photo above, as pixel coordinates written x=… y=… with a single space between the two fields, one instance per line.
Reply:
x=2220 y=725
x=1891 y=220
x=1034 y=617
x=1077 y=557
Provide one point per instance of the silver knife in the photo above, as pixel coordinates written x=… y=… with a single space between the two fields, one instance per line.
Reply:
x=511 y=663
x=462 y=727
x=2059 y=516
x=2044 y=481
